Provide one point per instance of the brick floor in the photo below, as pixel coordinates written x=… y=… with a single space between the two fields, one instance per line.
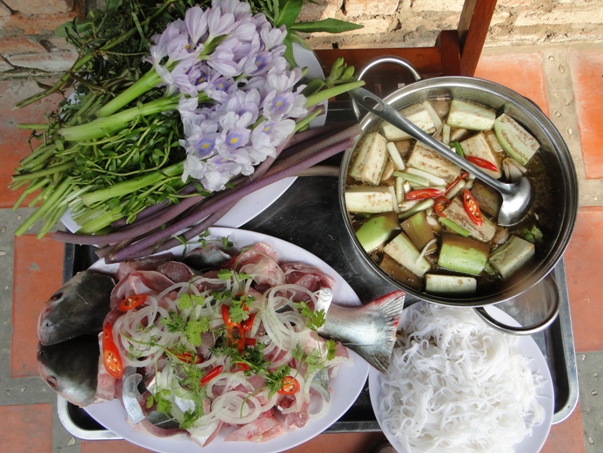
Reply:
x=564 y=81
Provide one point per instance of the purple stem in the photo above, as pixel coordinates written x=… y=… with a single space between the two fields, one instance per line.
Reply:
x=285 y=168
x=155 y=216
x=154 y=209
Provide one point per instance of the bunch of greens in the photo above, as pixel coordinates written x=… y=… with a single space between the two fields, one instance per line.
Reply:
x=108 y=163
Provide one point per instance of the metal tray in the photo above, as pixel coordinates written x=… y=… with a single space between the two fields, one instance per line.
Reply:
x=308 y=215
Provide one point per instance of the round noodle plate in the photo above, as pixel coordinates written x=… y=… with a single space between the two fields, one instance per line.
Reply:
x=346 y=386
x=255 y=203
x=545 y=393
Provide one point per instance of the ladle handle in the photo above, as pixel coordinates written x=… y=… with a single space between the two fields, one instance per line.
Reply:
x=385 y=111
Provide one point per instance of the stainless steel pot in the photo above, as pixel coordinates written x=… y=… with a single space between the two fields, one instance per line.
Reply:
x=558 y=162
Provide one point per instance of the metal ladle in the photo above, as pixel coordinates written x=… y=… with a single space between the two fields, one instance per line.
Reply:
x=516 y=196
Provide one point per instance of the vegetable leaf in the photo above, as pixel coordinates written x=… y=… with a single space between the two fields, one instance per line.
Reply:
x=325 y=25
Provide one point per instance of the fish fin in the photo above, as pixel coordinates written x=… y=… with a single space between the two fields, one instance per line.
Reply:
x=390 y=307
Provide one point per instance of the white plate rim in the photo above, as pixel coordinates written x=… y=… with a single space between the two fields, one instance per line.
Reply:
x=532 y=443
x=347 y=385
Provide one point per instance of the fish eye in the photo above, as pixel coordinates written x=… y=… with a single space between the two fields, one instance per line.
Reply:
x=57 y=296
x=52 y=381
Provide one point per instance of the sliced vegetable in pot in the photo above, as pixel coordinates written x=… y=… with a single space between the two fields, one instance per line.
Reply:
x=450 y=242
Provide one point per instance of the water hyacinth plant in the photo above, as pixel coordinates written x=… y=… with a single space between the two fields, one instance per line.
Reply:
x=215 y=99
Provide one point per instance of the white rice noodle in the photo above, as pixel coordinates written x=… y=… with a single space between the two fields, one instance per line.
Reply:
x=457 y=385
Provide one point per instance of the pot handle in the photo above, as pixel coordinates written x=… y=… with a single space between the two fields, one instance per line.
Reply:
x=379 y=61
x=550 y=317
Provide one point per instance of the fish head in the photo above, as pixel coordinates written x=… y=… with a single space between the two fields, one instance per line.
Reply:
x=77 y=308
x=71 y=368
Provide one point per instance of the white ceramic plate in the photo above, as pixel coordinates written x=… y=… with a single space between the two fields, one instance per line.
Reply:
x=254 y=204
x=530 y=444
x=346 y=386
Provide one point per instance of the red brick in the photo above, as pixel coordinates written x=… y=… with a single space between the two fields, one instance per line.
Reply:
x=20 y=44
x=38 y=273
x=114 y=446
x=583 y=276
x=13 y=142
x=26 y=428
x=566 y=436
x=38 y=24
x=523 y=73
x=40 y=6
x=587 y=69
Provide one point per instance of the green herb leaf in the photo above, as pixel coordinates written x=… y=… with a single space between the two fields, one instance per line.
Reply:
x=325 y=26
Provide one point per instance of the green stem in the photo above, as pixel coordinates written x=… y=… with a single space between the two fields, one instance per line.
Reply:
x=48 y=171
x=51 y=221
x=148 y=81
x=39 y=160
x=126 y=187
x=103 y=220
x=303 y=123
x=42 y=152
x=105 y=126
x=46 y=207
x=31 y=188
x=332 y=92
x=33 y=126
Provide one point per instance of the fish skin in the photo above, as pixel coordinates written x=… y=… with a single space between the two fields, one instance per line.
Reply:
x=78 y=308
x=369 y=330
x=70 y=368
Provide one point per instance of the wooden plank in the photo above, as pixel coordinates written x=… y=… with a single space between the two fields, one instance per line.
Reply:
x=448 y=42
x=426 y=60
x=473 y=37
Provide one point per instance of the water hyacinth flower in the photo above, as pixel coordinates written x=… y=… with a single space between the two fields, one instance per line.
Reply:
x=236 y=60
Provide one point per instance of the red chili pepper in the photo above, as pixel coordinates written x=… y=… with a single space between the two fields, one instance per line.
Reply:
x=131 y=302
x=211 y=374
x=250 y=341
x=226 y=317
x=187 y=357
x=458 y=179
x=247 y=324
x=240 y=366
x=111 y=357
x=421 y=194
x=483 y=163
x=289 y=386
x=472 y=208
x=440 y=204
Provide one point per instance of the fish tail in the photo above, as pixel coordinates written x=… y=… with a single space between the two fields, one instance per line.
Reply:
x=390 y=308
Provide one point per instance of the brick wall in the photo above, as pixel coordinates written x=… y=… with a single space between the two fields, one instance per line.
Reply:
x=28 y=45
x=27 y=40
x=415 y=23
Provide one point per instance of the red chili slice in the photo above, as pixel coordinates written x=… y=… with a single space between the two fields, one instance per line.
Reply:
x=440 y=204
x=421 y=194
x=131 y=302
x=187 y=357
x=211 y=374
x=458 y=179
x=247 y=324
x=483 y=163
x=472 y=208
x=111 y=357
x=240 y=366
x=226 y=317
x=289 y=386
